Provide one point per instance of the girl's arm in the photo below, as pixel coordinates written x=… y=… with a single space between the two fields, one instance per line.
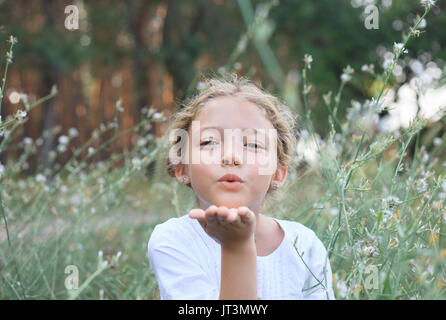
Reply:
x=239 y=271
x=234 y=230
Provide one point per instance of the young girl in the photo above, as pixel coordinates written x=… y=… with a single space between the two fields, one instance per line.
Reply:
x=226 y=248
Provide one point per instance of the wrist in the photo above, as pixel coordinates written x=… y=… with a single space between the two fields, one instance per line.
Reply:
x=244 y=245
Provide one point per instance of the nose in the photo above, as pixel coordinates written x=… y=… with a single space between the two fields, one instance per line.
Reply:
x=231 y=158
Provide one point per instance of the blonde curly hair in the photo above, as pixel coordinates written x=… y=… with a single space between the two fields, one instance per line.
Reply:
x=281 y=117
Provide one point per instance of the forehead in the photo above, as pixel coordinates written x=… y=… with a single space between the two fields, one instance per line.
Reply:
x=233 y=113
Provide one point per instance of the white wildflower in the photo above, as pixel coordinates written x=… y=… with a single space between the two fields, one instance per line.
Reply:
x=341 y=288
x=327 y=98
x=136 y=163
x=392 y=199
x=9 y=57
x=430 y=269
x=201 y=85
x=386 y=215
x=118 y=106
x=237 y=65
x=12 y=39
x=427 y=3
x=40 y=178
x=318 y=206
x=141 y=142
x=334 y=211
x=399 y=48
x=72 y=132
x=2 y=170
x=421 y=185
x=21 y=114
x=349 y=70
x=308 y=59
x=347 y=74
x=112 y=125
x=157 y=115
x=398 y=45
x=53 y=90
x=61 y=148
x=151 y=111
x=22 y=184
x=368 y=68
x=370 y=251
x=90 y=150
x=437 y=141
x=27 y=141
x=63 y=139
x=422 y=24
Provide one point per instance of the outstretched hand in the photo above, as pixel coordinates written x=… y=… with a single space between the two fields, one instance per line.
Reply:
x=226 y=226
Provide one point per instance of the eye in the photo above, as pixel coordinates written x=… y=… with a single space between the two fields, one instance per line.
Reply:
x=254 y=145
x=207 y=142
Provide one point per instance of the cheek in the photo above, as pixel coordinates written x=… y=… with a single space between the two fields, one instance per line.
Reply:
x=258 y=182
x=201 y=173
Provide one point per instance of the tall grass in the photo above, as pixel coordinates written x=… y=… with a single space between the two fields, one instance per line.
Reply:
x=378 y=209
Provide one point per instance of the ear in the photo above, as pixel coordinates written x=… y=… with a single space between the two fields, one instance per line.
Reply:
x=279 y=176
x=180 y=174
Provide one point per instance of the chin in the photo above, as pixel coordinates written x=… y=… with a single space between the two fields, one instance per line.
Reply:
x=230 y=201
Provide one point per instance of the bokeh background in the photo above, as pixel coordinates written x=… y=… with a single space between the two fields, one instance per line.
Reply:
x=152 y=53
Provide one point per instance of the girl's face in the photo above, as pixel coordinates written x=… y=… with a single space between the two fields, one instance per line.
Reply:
x=246 y=157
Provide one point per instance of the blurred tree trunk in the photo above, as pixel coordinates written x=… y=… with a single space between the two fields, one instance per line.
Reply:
x=136 y=19
x=179 y=50
x=144 y=61
x=50 y=78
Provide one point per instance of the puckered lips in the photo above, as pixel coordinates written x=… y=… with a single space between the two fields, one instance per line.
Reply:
x=230 y=181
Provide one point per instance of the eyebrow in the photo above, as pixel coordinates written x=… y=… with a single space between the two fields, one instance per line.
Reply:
x=241 y=129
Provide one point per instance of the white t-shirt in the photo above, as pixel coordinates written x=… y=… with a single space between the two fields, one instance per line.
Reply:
x=187 y=263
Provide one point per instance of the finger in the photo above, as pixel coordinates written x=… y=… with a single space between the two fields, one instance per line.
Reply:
x=212 y=208
x=196 y=214
x=211 y=214
x=222 y=214
x=211 y=218
x=233 y=216
x=244 y=213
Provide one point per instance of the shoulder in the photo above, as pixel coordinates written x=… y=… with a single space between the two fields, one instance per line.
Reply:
x=312 y=251
x=176 y=230
x=298 y=231
x=305 y=239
